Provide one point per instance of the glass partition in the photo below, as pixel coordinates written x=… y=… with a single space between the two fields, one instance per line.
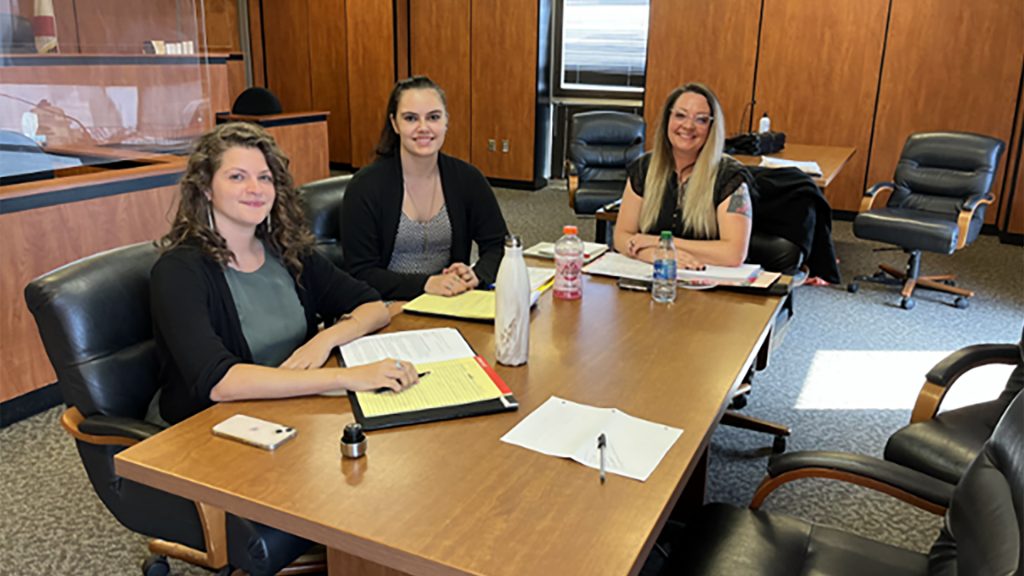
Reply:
x=118 y=84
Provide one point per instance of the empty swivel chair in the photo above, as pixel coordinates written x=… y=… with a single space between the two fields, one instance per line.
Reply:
x=943 y=444
x=982 y=533
x=601 y=145
x=94 y=319
x=937 y=204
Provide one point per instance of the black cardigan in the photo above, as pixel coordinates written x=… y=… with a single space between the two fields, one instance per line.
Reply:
x=372 y=208
x=197 y=330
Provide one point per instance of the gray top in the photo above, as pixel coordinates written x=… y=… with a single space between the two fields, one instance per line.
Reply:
x=422 y=247
x=273 y=321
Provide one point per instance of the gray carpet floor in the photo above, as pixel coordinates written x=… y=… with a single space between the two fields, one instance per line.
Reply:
x=845 y=378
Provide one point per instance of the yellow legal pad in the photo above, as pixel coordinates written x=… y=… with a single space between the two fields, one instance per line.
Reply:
x=450 y=383
x=473 y=305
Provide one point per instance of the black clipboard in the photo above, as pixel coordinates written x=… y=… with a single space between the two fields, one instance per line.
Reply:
x=505 y=403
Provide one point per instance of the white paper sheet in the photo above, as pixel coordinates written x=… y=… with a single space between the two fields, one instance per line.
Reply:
x=416 y=346
x=807 y=167
x=559 y=427
x=591 y=250
x=620 y=266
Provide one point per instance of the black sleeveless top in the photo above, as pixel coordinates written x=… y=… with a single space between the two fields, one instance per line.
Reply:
x=730 y=175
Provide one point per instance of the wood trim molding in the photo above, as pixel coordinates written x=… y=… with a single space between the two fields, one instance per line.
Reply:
x=768 y=485
x=964 y=221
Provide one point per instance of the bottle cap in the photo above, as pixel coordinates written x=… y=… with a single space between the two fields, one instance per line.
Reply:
x=666 y=234
x=570 y=229
x=513 y=241
x=353 y=441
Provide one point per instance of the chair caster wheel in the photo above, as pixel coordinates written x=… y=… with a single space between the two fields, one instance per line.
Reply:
x=779 y=445
x=156 y=565
x=852 y=287
x=961 y=302
x=907 y=303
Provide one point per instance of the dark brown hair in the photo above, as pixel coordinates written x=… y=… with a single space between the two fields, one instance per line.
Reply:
x=289 y=236
x=388 y=143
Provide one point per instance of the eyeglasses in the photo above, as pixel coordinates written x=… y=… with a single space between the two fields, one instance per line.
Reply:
x=701 y=120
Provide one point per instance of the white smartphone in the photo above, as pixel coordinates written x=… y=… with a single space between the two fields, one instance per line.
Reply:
x=253 y=431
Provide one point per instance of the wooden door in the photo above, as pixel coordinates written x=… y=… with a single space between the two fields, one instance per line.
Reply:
x=329 y=80
x=439 y=40
x=286 y=53
x=504 y=87
x=371 y=72
x=818 y=76
x=698 y=41
x=948 y=66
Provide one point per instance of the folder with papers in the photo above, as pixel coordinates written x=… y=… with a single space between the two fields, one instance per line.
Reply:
x=475 y=304
x=460 y=383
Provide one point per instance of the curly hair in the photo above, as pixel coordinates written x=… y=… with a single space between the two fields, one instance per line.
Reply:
x=285 y=229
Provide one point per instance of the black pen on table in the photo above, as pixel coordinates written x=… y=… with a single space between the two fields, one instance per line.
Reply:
x=601 y=445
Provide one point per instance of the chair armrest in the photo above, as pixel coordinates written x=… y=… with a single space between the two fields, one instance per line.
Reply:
x=869 y=195
x=572 y=177
x=963 y=222
x=944 y=374
x=106 y=430
x=911 y=486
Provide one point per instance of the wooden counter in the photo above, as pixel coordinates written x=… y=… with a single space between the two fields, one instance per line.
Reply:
x=302 y=136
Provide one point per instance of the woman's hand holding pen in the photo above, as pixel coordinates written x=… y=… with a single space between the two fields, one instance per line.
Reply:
x=464 y=272
x=389 y=373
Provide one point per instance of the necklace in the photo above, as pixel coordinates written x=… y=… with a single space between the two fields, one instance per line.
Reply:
x=423 y=215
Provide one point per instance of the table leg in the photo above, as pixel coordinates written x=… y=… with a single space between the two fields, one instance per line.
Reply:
x=692 y=498
x=344 y=564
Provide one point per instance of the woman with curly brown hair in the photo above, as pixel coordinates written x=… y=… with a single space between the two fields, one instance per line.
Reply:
x=238 y=292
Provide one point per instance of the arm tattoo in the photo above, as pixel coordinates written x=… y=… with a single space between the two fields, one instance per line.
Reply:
x=739 y=203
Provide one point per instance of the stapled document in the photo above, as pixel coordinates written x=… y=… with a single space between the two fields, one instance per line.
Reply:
x=559 y=427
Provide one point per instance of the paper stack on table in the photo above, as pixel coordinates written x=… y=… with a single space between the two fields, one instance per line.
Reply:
x=566 y=429
x=619 y=266
x=591 y=250
x=810 y=168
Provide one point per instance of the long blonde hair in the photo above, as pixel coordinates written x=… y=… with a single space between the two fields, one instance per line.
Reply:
x=697 y=201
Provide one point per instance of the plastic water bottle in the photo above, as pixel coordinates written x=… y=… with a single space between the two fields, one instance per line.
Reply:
x=568 y=265
x=512 y=306
x=765 y=124
x=664 y=289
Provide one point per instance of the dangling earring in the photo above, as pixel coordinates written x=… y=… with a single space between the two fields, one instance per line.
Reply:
x=209 y=216
x=268 y=222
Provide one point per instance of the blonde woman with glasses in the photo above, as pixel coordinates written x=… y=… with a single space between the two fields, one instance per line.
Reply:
x=688 y=186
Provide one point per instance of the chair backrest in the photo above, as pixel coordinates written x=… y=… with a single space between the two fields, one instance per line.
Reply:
x=322 y=201
x=985 y=521
x=256 y=101
x=938 y=170
x=94 y=319
x=603 y=143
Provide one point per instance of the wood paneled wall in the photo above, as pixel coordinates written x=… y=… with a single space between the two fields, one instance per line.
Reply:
x=504 y=87
x=1011 y=214
x=371 y=72
x=819 y=85
x=220 y=21
x=720 y=51
x=948 y=66
x=286 y=53
x=443 y=27
x=329 y=73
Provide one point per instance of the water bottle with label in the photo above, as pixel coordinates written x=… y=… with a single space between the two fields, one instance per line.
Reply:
x=568 y=265
x=664 y=289
x=512 y=306
x=765 y=124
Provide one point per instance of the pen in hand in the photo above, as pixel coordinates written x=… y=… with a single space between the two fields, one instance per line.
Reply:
x=601 y=445
x=419 y=375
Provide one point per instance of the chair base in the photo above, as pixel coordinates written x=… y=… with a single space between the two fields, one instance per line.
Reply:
x=908 y=281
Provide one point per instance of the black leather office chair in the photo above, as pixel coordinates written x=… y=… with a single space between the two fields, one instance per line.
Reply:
x=94 y=319
x=982 y=533
x=256 y=101
x=601 y=145
x=322 y=202
x=942 y=445
x=937 y=204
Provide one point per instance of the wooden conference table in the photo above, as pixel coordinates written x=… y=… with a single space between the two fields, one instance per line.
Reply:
x=450 y=497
